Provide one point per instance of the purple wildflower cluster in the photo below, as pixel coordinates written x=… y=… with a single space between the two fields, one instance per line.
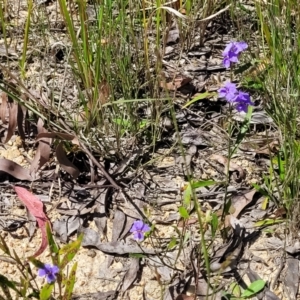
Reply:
x=229 y=91
x=240 y=99
x=139 y=228
x=49 y=272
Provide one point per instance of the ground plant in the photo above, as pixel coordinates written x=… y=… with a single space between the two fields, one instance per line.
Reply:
x=105 y=100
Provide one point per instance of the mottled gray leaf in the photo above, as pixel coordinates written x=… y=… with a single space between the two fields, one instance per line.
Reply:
x=90 y=237
x=293 y=249
x=96 y=296
x=291 y=280
x=270 y=295
x=121 y=247
x=42 y=154
x=15 y=170
x=100 y=211
x=118 y=225
x=193 y=137
x=65 y=226
x=131 y=274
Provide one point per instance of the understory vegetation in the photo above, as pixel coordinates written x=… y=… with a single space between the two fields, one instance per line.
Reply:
x=101 y=92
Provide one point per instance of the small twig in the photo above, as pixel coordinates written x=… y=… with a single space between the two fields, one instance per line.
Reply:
x=94 y=160
x=7 y=259
x=277 y=274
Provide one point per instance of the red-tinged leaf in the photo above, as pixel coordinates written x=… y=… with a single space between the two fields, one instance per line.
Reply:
x=12 y=120
x=43 y=151
x=35 y=207
x=65 y=163
x=15 y=170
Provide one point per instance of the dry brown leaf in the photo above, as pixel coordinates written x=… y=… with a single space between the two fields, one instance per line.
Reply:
x=272 y=147
x=42 y=154
x=241 y=175
x=241 y=201
x=185 y=297
x=118 y=225
x=15 y=170
x=12 y=120
x=131 y=274
x=64 y=162
x=104 y=92
x=21 y=113
x=176 y=84
x=238 y=203
x=3 y=107
x=58 y=135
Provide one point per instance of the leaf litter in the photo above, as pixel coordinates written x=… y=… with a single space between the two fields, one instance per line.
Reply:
x=113 y=212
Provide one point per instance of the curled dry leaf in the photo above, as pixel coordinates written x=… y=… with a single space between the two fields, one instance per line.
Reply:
x=131 y=274
x=185 y=297
x=241 y=175
x=3 y=106
x=64 y=162
x=8 y=109
x=12 y=120
x=121 y=248
x=177 y=83
x=42 y=154
x=58 y=135
x=35 y=207
x=21 y=114
x=14 y=170
x=241 y=201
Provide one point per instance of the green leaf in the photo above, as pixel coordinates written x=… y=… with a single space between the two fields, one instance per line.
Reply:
x=186 y=237
x=203 y=183
x=3 y=246
x=253 y=288
x=52 y=245
x=235 y=289
x=172 y=243
x=281 y=166
x=69 y=251
x=5 y=284
x=267 y=222
x=183 y=212
x=24 y=286
x=69 y=283
x=214 y=224
x=264 y=204
x=16 y=257
x=201 y=96
x=187 y=195
x=137 y=255
x=37 y=263
x=54 y=249
x=46 y=291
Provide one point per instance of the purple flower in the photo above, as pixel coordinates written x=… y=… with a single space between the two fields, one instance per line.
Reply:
x=242 y=101
x=232 y=51
x=228 y=91
x=138 y=229
x=49 y=272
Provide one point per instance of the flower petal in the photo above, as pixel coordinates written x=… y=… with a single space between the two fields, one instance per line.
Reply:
x=146 y=228
x=42 y=272
x=139 y=236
